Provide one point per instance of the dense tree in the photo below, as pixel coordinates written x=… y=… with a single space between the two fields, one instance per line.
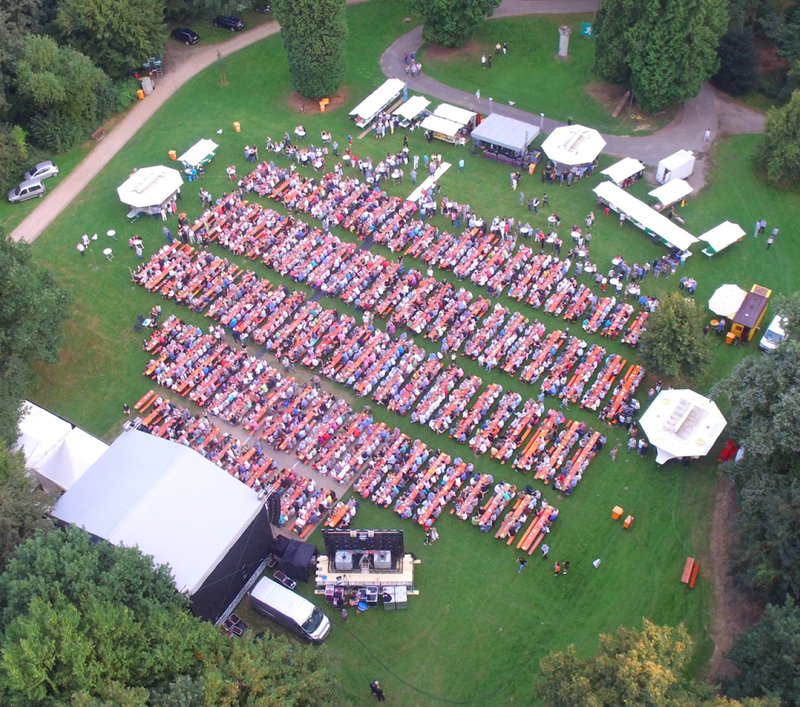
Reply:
x=767 y=656
x=673 y=344
x=737 y=62
x=665 y=50
x=61 y=93
x=118 y=35
x=314 y=33
x=779 y=151
x=450 y=23
x=13 y=155
x=32 y=308
x=630 y=667
x=91 y=623
x=782 y=25
x=22 y=508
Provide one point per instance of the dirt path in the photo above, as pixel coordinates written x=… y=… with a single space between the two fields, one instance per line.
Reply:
x=734 y=612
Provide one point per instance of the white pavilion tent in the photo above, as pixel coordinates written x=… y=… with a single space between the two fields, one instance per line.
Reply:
x=573 y=145
x=643 y=216
x=148 y=189
x=411 y=109
x=441 y=127
x=462 y=116
x=626 y=168
x=682 y=423
x=364 y=113
x=671 y=192
x=720 y=237
x=199 y=154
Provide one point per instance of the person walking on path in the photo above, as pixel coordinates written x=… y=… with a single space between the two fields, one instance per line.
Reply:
x=522 y=562
x=377 y=690
x=707 y=136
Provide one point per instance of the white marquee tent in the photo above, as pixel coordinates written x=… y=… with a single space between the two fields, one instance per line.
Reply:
x=643 y=216
x=364 y=113
x=573 y=145
x=722 y=236
x=441 y=126
x=199 y=153
x=57 y=452
x=411 y=109
x=626 y=168
x=682 y=423
x=150 y=187
x=671 y=192
x=462 y=116
x=175 y=505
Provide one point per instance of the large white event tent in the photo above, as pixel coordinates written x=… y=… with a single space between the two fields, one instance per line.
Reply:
x=573 y=145
x=149 y=188
x=671 y=192
x=411 y=109
x=56 y=452
x=722 y=236
x=505 y=132
x=462 y=116
x=643 y=216
x=441 y=127
x=364 y=113
x=626 y=168
x=682 y=423
x=178 y=507
x=199 y=154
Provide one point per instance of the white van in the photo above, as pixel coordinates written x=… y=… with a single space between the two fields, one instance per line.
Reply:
x=774 y=335
x=290 y=610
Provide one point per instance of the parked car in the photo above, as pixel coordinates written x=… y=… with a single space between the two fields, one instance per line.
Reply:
x=774 y=335
x=234 y=24
x=185 y=35
x=155 y=64
x=28 y=189
x=42 y=170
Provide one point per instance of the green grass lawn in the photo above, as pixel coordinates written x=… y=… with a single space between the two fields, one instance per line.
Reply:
x=477 y=630
x=533 y=78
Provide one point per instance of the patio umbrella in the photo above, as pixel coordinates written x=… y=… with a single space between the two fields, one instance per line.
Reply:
x=149 y=186
x=682 y=423
x=573 y=145
x=726 y=300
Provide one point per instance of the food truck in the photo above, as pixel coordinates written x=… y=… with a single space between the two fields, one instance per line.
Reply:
x=751 y=313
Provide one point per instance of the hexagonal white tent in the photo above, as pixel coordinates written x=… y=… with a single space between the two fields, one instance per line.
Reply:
x=573 y=145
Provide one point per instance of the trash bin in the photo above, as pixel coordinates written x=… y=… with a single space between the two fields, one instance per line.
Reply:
x=140 y=94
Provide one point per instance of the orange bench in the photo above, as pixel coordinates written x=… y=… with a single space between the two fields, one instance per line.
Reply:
x=688 y=569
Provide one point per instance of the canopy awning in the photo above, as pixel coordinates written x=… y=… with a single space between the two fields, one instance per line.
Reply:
x=682 y=423
x=573 y=145
x=441 y=125
x=411 y=108
x=643 y=216
x=622 y=170
x=150 y=186
x=505 y=132
x=720 y=237
x=199 y=153
x=378 y=100
x=462 y=116
x=726 y=300
x=671 y=192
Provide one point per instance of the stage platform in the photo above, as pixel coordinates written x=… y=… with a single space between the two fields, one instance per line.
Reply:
x=357 y=578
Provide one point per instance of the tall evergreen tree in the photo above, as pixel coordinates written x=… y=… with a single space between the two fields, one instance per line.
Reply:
x=314 y=34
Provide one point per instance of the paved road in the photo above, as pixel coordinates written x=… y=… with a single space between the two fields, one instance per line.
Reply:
x=697 y=115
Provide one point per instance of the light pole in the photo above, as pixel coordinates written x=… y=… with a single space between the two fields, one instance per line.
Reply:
x=541 y=121
x=490 y=105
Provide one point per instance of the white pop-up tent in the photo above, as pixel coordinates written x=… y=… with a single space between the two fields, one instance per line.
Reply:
x=722 y=236
x=671 y=192
x=150 y=188
x=573 y=145
x=202 y=152
x=643 y=216
x=462 y=116
x=626 y=168
x=726 y=300
x=178 y=507
x=682 y=423
x=56 y=452
x=441 y=128
x=410 y=110
x=364 y=113
x=678 y=165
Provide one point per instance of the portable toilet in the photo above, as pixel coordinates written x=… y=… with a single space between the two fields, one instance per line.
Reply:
x=678 y=165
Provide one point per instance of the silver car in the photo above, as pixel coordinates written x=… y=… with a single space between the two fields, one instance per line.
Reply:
x=43 y=170
x=29 y=189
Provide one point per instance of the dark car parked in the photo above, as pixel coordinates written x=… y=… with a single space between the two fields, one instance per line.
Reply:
x=185 y=35
x=234 y=24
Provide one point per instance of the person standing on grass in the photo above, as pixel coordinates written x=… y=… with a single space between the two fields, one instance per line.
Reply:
x=545 y=550
x=522 y=564
x=377 y=690
x=565 y=567
x=556 y=569
x=771 y=239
